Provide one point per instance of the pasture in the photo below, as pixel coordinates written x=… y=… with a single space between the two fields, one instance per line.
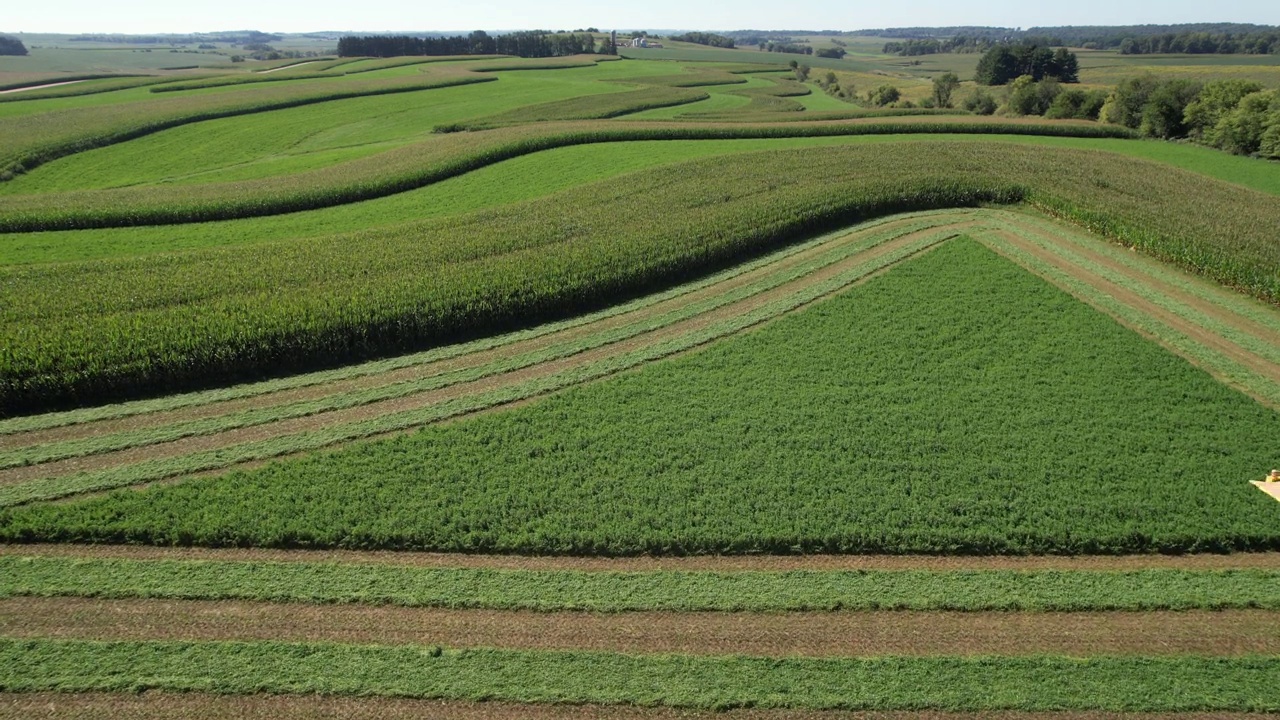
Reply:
x=664 y=386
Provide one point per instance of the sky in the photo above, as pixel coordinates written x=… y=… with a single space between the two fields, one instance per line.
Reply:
x=168 y=16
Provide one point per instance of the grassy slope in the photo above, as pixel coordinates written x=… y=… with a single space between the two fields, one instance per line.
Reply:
x=957 y=404
x=540 y=174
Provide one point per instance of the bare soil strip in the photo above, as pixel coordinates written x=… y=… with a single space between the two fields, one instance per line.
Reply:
x=819 y=634
x=257 y=433
x=154 y=705
x=704 y=563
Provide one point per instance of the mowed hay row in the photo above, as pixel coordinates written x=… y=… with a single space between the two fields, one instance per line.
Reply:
x=891 y=683
x=32 y=455
x=382 y=300
x=270 y=432
x=52 y=421
x=1036 y=425
x=772 y=584
x=1201 y=313
x=737 y=291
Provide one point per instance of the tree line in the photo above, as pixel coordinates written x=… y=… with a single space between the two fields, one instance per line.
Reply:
x=526 y=43
x=1260 y=43
x=704 y=38
x=780 y=47
x=1005 y=62
x=1238 y=116
x=232 y=38
x=1192 y=38
x=933 y=46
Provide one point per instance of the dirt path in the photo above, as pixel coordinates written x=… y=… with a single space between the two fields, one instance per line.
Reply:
x=703 y=563
x=154 y=705
x=823 y=634
x=286 y=67
x=39 y=87
x=291 y=426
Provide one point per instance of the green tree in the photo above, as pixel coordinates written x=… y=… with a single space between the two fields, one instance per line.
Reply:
x=1077 y=105
x=1003 y=63
x=997 y=66
x=980 y=102
x=1024 y=97
x=1164 y=114
x=1242 y=130
x=1066 y=66
x=1269 y=146
x=11 y=46
x=884 y=95
x=1216 y=99
x=943 y=87
x=1125 y=104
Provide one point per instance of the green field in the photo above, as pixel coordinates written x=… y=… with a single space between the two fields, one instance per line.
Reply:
x=572 y=475
x=541 y=174
x=109 y=327
x=668 y=386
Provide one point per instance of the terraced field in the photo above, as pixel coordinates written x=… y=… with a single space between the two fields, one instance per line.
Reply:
x=769 y=417
x=49 y=456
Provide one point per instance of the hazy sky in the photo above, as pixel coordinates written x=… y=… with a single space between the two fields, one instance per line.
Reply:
x=154 y=16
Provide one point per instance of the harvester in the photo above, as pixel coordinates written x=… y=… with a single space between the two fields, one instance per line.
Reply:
x=1270 y=484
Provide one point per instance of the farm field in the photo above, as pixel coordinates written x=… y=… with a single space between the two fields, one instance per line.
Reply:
x=648 y=388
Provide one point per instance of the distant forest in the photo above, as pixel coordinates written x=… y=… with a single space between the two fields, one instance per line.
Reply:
x=931 y=46
x=1194 y=38
x=246 y=37
x=527 y=44
x=704 y=38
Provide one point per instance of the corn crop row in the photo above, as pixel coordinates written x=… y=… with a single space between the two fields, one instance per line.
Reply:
x=81 y=332
x=414 y=166
x=30 y=141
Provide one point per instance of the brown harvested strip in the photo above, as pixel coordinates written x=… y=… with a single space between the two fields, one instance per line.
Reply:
x=809 y=634
x=154 y=705
x=438 y=367
x=19 y=475
x=1199 y=335
x=699 y=563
